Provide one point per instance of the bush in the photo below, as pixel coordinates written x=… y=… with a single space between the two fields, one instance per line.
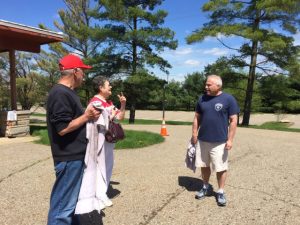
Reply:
x=266 y=109
x=293 y=106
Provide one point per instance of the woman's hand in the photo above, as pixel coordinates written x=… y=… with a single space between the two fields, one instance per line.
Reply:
x=122 y=99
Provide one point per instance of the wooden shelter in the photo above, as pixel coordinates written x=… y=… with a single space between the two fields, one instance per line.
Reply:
x=18 y=37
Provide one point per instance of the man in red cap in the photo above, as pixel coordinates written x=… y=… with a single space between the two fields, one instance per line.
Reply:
x=66 y=120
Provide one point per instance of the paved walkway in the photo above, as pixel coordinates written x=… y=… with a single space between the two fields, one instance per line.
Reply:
x=152 y=186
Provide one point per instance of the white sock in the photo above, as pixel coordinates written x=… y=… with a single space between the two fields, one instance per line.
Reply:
x=205 y=186
x=221 y=191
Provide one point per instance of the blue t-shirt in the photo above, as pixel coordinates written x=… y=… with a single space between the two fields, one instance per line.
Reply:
x=214 y=116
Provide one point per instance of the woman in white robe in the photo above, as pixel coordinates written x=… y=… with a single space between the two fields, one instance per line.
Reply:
x=99 y=157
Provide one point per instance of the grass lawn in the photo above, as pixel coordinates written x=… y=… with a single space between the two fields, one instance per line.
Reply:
x=133 y=139
x=156 y=122
x=276 y=126
x=39 y=114
x=139 y=139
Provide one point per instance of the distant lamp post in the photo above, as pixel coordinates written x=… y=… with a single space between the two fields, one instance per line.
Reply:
x=163 y=131
x=164 y=96
x=164 y=101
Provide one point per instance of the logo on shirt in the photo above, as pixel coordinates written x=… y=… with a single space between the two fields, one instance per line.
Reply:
x=218 y=106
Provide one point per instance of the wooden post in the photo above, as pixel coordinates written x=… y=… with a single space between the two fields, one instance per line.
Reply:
x=13 y=87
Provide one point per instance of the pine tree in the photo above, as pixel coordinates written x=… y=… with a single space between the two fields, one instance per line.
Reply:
x=138 y=37
x=266 y=26
x=78 y=25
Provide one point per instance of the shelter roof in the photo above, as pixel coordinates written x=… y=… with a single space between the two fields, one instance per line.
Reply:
x=14 y=36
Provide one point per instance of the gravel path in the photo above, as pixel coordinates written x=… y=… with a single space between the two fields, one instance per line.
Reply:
x=152 y=186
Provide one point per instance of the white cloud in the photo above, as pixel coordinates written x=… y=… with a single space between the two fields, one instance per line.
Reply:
x=183 y=51
x=219 y=36
x=177 y=77
x=209 y=38
x=222 y=36
x=297 y=39
x=216 y=52
x=77 y=52
x=192 y=62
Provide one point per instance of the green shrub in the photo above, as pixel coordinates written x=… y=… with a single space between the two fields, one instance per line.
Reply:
x=293 y=106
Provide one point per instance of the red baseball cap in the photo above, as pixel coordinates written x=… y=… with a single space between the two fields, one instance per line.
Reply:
x=72 y=61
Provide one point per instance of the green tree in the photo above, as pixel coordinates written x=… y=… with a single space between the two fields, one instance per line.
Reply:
x=274 y=91
x=294 y=95
x=193 y=86
x=48 y=64
x=118 y=39
x=138 y=36
x=280 y=93
x=138 y=33
x=77 y=23
x=140 y=89
x=30 y=91
x=28 y=82
x=47 y=61
x=176 y=97
x=231 y=75
x=4 y=81
x=266 y=27
x=294 y=84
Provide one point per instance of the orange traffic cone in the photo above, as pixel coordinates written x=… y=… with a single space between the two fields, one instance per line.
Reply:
x=163 y=130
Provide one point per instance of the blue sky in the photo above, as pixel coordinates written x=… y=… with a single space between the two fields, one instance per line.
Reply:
x=184 y=17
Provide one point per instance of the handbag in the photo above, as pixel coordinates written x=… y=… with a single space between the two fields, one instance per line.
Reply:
x=115 y=132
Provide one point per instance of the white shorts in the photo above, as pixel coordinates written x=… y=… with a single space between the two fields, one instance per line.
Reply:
x=212 y=153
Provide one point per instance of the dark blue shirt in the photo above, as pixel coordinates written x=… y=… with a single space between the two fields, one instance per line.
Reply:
x=214 y=116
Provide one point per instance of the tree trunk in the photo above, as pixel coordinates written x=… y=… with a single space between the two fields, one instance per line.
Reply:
x=134 y=66
x=250 y=85
x=251 y=76
x=134 y=48
x=132 y=114
x=13 y=86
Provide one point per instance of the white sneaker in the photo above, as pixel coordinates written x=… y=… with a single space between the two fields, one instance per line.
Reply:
x=102 y=205
x=106 y=201
x=99 y=205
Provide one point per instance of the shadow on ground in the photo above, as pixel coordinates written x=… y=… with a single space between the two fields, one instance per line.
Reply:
x=112 y=192
x=190 y=183
x=93 y=218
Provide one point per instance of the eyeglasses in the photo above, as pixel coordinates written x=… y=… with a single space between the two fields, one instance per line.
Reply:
x=78 y=69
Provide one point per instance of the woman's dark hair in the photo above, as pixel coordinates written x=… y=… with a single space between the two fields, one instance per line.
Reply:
x=99 y=81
